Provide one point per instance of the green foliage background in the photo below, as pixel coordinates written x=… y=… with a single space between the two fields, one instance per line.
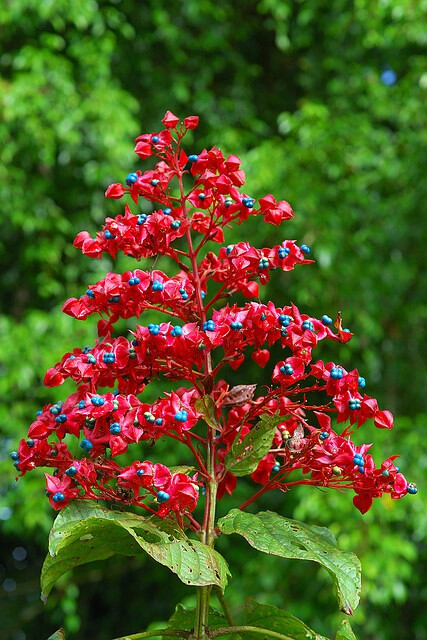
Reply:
x=295 y=88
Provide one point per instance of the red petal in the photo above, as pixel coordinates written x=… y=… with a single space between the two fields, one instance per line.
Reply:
x=363 y=502
x=115 y=191
x=191 y=122
x=383 y=420
x=261 y=357
x=170 y=120
x=53 y=378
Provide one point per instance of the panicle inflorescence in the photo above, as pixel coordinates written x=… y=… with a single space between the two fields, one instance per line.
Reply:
x=193 y=340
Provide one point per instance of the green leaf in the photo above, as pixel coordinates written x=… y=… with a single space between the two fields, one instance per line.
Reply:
x=183 y=618
x=271 y=533
x=244 y=455
x=266 y=616
x=84 y=532
x=58 y=635
x=345 y=632
x=206 y=406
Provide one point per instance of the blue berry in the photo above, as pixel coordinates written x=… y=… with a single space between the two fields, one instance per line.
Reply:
x=202 y=196
x=157 y=286
x=109 y=235
x=90 y=293
x=287 y=369
x=91 y=359
x=58 y=497
x=14 y=455
x=181 y=416
x=228 y=202
x=149 y=417
x=236 y=326
x=358 y=459
x=141 y=218
x=97 y=401
x=30 y=442
x=176 y=331
x=283 y=332
x=337 y=373
x=327 y=320
x=324 y=435
x=361 y=382
x=264 y=263
x=263 y=317
x=154 y=329
x=114 y=299
x=39 y=412
x=131 y=178
x=133 y=281
x=305 y=249
x=140 y=473
x=109 y=358
x=276 y=468
x=155 y=139
x=159 y=422
x=361 y=468
x=229 y=249
x=61 y=418
x=354 y=404
x=307 y=325
x=155 y=182
x=209 y=325
x=193 y=158
x=55 y=410
x=385 y=473
x=283 y=252
x=248 y=202
x=175 y=224
x=162 y=496
x=115 y=428
x=167 y=211
x=86 y=349
x=86 y=444
x=346 y=330
x=71 y=471
x=412 y=488
x=285 y=320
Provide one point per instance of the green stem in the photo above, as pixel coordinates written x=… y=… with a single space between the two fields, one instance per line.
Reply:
x=177 y=633
x=225 y=631
x=226 y=609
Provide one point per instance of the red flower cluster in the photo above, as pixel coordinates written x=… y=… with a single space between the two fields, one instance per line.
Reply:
x=193 y=347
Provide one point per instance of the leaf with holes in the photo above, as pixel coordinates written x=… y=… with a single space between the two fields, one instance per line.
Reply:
x=345 y=632
x=265 y=616
x=84 y=532
x=271 y=533
x=244 y=455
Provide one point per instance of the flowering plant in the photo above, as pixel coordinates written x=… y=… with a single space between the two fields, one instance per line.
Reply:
x=281 y=435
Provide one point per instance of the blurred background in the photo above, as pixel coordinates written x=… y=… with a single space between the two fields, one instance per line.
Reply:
x=324 y=104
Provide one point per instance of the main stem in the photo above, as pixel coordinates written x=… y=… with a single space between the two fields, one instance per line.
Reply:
x=207 y=535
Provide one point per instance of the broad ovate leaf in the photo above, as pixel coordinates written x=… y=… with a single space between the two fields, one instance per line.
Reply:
x=266 y=616
x=84 y=532
x=244 y=455
x=273 y=534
